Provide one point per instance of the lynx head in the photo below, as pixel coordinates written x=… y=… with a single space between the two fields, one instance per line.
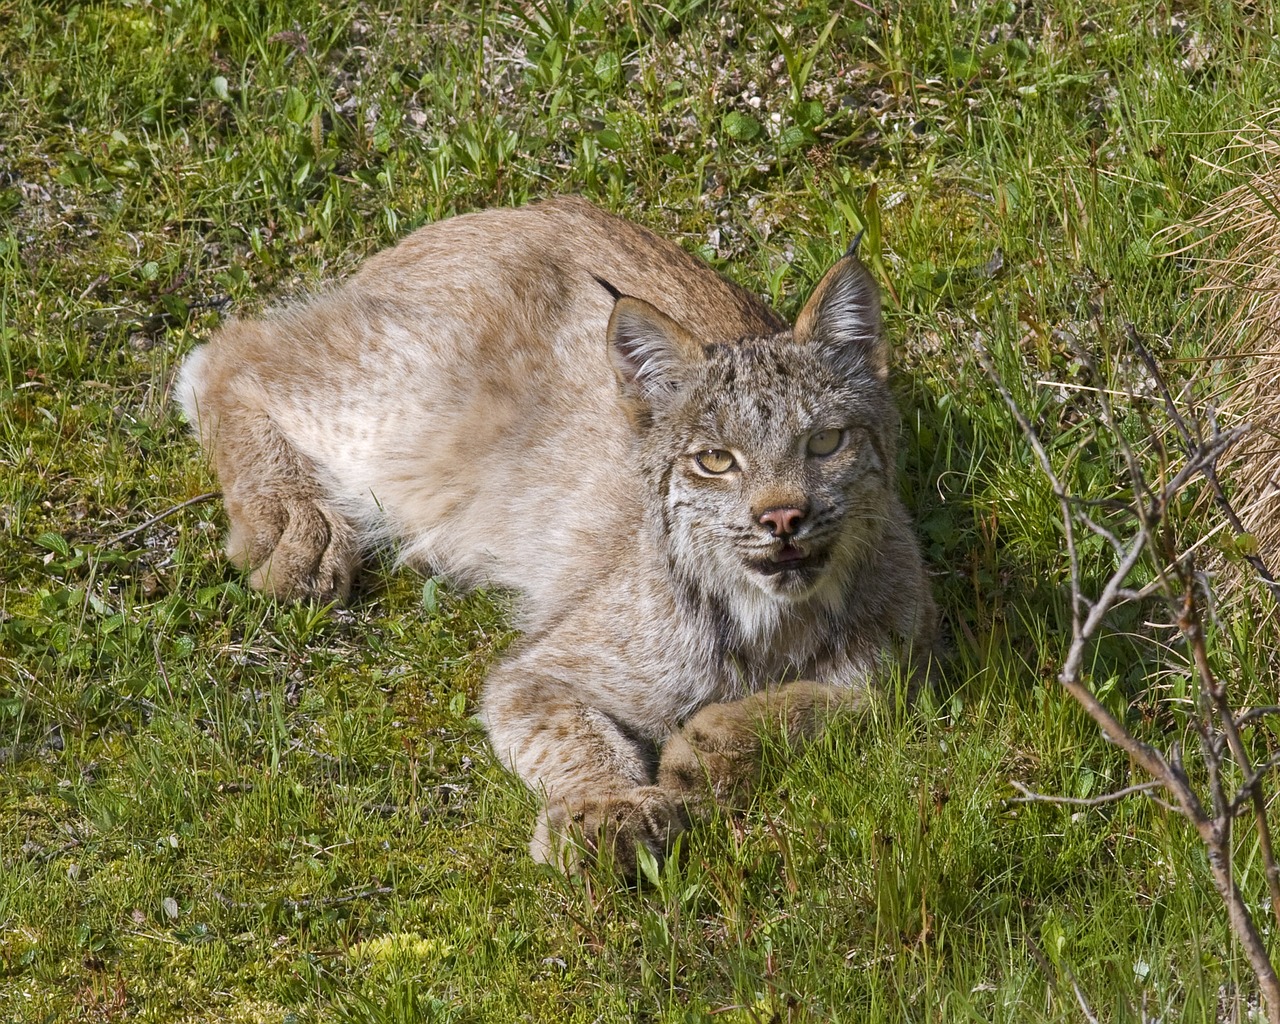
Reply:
x=768 y=460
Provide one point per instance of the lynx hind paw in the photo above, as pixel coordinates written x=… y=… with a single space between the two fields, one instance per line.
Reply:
x=296 y=549
x=581 y=832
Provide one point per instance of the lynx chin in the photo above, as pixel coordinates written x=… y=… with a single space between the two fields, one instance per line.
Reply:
x=695 y=504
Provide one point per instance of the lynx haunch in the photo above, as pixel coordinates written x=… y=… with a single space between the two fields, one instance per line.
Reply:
x=695 y=504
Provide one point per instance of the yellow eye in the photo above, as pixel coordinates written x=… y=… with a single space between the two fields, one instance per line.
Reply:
x=824 y=442
x=715 y=461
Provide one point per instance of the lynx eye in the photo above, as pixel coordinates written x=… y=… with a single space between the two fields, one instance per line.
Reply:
x=715 y=461
x=824 y=442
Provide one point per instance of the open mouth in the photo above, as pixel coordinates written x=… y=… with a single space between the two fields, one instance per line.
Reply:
x=789 y=558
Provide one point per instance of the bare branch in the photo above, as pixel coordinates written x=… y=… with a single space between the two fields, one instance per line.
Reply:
x=1084 y=1006
x=1102 y=532
x=1046 y=467
x=1193 y=630
x=1250 y=786
x=1217 y=725
x=1029 y=796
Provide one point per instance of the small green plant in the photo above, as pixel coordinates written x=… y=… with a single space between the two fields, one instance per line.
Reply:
x=800 y=61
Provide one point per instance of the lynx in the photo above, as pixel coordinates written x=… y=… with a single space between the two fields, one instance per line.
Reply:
x=695 y=505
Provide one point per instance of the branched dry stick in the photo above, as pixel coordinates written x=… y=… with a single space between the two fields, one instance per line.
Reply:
x=1192 y=629
x=1152 y=538
x=1190 y=625
x=1250 y=714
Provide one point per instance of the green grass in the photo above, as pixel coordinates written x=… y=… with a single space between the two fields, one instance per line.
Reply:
x=215 y=808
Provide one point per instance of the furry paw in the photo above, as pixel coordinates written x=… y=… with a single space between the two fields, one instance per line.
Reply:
x=578 y=832
x=718 y=755
x=298 y=550
x=715 y=758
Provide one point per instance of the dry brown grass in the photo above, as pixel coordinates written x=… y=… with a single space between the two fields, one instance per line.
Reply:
x=1246 y=310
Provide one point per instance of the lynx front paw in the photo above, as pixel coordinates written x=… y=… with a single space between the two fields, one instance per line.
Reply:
x=718 y=755
x=715 y=758
x=575 y=833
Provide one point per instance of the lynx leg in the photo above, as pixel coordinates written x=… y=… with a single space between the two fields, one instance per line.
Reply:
x=716 y=756
x=597 y=776
x=282 y=529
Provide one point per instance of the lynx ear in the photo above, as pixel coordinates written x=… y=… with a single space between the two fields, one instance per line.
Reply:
x=649 y=350
x=843 y=317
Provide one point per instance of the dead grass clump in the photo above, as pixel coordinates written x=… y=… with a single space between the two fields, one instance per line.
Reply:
x=1247 y=308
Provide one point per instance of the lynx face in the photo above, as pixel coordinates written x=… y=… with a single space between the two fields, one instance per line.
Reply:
x=768 y=458
x=778 y=474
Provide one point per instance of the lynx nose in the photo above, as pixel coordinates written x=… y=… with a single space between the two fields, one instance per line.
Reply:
x=782 y=522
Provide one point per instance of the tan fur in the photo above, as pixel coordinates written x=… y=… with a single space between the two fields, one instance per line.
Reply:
x=518 y=398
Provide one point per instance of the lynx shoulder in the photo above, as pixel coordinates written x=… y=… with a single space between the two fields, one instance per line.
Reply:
x=694 y=503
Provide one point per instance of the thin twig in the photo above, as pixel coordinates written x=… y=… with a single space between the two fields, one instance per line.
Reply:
x=1030 y=796
x=207 y=496
x=1037 y=954
x=1084 y=1006
x=1192 y=628
x=1252 y=714
x=1250 y=785
x=306 y=902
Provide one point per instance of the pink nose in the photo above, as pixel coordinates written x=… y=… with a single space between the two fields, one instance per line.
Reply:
x=782 y=522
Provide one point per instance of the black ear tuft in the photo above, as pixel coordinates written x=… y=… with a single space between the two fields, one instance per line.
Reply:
x=649 y=350
x=843 y=317
x=608 y=287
